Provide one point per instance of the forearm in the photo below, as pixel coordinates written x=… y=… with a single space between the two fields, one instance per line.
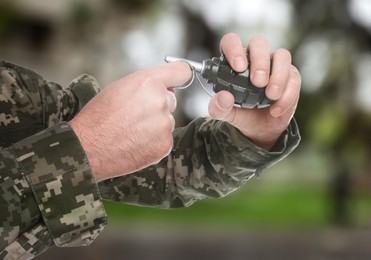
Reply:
x=210 y=159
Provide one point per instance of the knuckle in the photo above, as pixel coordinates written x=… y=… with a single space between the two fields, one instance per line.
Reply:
x=169 y=125
x=212 y=112
x=148 y=80
x=166 y=145
x=229 y=36
x=259 y=40
x=295 y=75
x=284 y=53
x=161 y=103
x=165 y=137
x=184 y=67
x=279 y=77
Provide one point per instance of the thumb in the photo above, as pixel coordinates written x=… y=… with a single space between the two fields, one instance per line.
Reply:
x=221 y=106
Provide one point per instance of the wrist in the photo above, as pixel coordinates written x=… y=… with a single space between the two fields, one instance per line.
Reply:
x=264 y=141
x=88 y=148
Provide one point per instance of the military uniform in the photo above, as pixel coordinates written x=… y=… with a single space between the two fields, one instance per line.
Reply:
x=47 y=190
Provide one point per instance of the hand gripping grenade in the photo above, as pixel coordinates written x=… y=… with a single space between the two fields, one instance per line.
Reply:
x=219 y=73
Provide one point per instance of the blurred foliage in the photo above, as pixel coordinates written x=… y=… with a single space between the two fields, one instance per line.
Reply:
x=328 y=126
x=80 y=14
x=134 y=5
x=330 y=21
x=8 y=22
x=329 y=116
x=288 y=207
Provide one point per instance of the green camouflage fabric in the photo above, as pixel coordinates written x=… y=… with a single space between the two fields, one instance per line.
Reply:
x=47 y=190
x=210 y=159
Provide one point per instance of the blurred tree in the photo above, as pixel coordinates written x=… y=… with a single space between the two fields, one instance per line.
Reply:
x=330 y=22
x=33 y=32
x=330 y=116
x=80 y=14
x=7 y=21
x=134 y=5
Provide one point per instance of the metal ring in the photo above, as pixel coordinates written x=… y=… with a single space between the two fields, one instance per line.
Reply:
x=188 y=83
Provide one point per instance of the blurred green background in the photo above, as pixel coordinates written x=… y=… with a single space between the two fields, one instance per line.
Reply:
x=318 y=200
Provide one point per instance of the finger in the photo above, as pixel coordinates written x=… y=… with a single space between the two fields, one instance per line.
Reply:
x=221 y=106
x=259 y=52
x=290 y=96
x=172 y=74
x=281 y=59
x=171 y=101
x=231 y=46
x=172 y=119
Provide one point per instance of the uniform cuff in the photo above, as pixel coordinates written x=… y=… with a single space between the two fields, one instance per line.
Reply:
x=85 y=87
x=257 y=156
x=55 y=165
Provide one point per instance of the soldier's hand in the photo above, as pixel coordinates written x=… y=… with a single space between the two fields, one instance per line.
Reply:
x=283 y=82
x=129 y=125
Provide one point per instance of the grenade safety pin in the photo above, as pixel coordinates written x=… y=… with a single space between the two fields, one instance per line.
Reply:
x=219 y=73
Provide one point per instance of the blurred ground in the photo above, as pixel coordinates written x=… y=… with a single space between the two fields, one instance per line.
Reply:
x=292 y=211
x=158 y=243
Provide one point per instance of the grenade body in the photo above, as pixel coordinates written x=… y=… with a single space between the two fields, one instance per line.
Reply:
x=221 y=76
x=218 y=73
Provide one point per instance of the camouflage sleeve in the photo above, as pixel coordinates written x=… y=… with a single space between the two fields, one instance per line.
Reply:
x=46 y=178
x=40 y=196
x=29 y=244
x=210 y=159
x=30 y=103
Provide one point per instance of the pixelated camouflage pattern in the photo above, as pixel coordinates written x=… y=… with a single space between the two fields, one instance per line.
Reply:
x=29 y=103
x=29 y=244
x=84 y=87
x=62 y=184
x=18 y=207
x=210 y=159
x=45 y=178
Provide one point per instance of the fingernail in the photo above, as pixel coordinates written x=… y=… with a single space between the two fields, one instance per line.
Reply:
x=239 y=63
x=222 y=103
x=260 y=78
